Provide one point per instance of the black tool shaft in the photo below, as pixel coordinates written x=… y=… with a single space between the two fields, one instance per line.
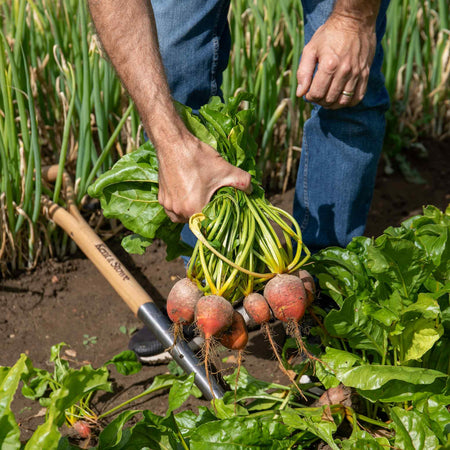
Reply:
x=160 y=326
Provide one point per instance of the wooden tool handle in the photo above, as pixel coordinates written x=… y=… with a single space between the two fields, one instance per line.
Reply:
x=98 y=252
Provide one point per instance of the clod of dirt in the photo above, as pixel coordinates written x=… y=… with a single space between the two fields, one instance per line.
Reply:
x=340 y=395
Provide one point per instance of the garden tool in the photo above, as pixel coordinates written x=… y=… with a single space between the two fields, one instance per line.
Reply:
x=137 y=299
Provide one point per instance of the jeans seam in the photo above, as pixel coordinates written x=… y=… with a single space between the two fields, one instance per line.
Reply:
x=214 y=64
x=305 y=188
x=215 y=59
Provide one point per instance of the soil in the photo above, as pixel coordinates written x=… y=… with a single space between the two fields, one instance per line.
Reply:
x=71 y=302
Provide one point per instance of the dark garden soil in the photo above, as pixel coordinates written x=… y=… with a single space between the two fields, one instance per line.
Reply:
x=70 y=302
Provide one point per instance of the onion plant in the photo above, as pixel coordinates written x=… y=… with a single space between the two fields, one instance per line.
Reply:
x=60 y=103
x=417 y=67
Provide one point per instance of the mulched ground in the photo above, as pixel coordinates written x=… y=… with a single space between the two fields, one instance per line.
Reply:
x=70 y=301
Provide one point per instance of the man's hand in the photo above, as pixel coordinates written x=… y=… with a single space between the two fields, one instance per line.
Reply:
x=342 y=51
x=190 y=173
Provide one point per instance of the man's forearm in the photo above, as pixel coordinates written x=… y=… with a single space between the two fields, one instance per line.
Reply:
x=127 y=31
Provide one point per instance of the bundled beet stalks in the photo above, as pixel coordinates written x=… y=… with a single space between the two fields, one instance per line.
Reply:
x=247 y=249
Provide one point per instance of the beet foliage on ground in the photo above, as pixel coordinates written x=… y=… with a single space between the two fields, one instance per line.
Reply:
x=388 y=340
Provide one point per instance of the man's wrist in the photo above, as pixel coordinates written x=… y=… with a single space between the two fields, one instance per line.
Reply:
x=357 y=13
x=163 y=125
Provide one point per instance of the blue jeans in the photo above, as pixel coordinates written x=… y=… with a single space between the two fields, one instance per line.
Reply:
x=341 y=148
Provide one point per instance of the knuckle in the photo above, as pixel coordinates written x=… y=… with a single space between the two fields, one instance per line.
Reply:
x=187 y=208
x=173 y=217
x=344 y=101
x=314 y=96
x=346 y=68
x=329 y=100
x=331 y=64
x=365 y=71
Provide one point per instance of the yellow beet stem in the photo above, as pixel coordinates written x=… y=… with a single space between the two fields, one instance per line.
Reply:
x=194 y=225
x=295 y=264
x=206 y=271
x=243 y=255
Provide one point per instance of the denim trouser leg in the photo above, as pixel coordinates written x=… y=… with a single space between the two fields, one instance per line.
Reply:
x=341 y=148
x=340 y=153
x=194 y=41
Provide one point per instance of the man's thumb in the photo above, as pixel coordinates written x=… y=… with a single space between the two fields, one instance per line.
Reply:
x=240 y=179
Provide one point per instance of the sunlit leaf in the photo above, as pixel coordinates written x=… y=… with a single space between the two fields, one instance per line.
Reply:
x=125 y=362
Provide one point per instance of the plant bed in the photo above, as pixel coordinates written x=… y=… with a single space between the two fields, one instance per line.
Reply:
x=383 y=368
x=64 y=301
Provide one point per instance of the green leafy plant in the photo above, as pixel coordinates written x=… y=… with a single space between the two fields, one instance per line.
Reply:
x=127 y=331
x=386 y=343
x=389 y=338
x=89 y=340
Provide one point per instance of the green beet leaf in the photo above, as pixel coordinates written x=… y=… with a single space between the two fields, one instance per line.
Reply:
x=249 y=383
x=341 y=273
x=195 y=125
x=438 y=357
x=361 y=439
x=64 y=444
x=9 y=430
x=354 y=323
x=249 y=388
x=399 y=264
x=417 y=338
x=418 y=328
x=334 y=359
x=129 y=192
x=35 y=382
x=180 y=392
x=4 y=372
x=435 y=408
x=74 y=386
x=188 y=421
x=126 y=363
x=155 y=432
x=396 y=391
x=46 y=436
x=226 y=409
x=373 y=376
x=61 y=365
x=136 y=244
x=241 y=432
x=114 y=435
x=412 y=430
x=312 y=423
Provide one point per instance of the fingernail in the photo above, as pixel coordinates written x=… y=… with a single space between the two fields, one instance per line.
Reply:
x=299 y=90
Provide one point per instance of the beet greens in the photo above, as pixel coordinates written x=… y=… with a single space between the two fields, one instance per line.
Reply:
x=243 y=240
